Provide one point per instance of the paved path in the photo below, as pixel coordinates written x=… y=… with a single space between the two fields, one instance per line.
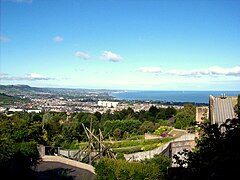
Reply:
x=54 y=167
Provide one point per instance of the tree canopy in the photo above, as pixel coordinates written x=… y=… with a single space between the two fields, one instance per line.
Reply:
x=217 y=153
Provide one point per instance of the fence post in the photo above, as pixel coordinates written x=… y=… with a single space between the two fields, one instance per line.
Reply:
x=58 y=153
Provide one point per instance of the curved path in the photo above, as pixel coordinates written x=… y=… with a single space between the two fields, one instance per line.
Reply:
x=55 y=167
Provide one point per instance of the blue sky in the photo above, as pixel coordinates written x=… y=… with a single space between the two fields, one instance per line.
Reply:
x=121 y=44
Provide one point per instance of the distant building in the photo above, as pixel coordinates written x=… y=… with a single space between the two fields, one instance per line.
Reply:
x=15 y=110
x=107 y=104
x=202 y=113
x=2 y=109
x=33 y=111
x=221 y=108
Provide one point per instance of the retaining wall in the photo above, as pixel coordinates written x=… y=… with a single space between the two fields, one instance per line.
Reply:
x=185 y=141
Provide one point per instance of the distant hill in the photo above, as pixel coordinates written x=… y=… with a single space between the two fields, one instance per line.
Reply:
x=75 y=92
x=9 y=100
x=20 y=89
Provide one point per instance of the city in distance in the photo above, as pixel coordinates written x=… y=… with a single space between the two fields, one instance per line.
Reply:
x=24 y=97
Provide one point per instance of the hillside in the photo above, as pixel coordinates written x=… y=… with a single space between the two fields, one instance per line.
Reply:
x=69 y=92
x=9 y=100
x=20 y=89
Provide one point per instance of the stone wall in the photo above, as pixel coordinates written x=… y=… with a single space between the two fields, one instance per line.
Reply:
x=201 y=113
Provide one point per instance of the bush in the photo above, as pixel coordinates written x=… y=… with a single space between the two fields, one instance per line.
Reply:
x=19 y=159
x=70 y=145
x=161 y=162
x=120 y=156
x=162 y=129
x=120 y=169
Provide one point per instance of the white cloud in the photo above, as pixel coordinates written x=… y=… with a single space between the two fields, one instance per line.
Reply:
x=28 y=77
x=110 y=56
x=194 y=72
x=82 y=55
x=211 y=71
x=4 y=39
x=215 y=70
x=3 y=76
x=153 y=69
x=58 y=39
x=234 y=71
x=35 y=76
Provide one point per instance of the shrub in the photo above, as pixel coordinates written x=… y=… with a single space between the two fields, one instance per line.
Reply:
x=162 y=129
x=161 y=162
x=18 y=159
x=120 y=169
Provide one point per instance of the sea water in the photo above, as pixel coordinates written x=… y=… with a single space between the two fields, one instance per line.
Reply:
x=172 y=96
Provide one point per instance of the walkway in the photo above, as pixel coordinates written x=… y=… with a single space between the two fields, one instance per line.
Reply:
x=56 y=167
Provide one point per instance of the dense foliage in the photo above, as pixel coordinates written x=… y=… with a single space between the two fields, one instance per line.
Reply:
x=216 y=155
x=19 y=136
x=60 y=129
x=154 y=168
x=185 y=117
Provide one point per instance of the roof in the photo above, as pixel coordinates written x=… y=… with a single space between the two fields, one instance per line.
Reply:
x=221 y=109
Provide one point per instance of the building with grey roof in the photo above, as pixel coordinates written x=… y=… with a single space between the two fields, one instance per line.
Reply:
x=221 y=108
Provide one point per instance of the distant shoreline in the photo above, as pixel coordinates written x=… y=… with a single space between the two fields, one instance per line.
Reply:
x=172 y=96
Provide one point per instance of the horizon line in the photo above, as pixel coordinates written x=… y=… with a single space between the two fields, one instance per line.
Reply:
x=112 y=88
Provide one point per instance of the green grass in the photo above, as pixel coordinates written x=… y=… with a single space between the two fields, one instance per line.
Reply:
x=129 y=143
x=127 y=150
x=132 y=146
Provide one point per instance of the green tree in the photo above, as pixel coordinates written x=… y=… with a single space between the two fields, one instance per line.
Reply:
x=161 y=114
x=142 y=115
x=130 y=112
x=185 y=117
x=18 y=142
x=106 y=116
x=117 y=134
x=161 y=162
x=98 y=116
x=170 y=112
x=216 y=155
x=147 y=126
x=46 y=118
x=129 y=125
x=153 y=110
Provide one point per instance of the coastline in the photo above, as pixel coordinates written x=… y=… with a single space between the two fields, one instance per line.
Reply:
x=171 y=96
